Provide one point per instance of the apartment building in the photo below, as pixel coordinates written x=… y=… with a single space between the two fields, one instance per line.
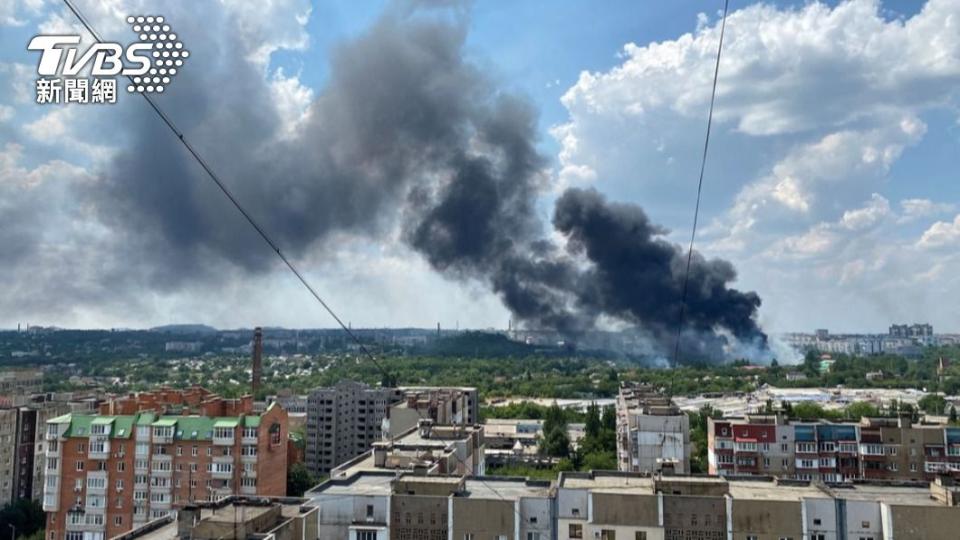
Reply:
x=343 y=421
x=146 y=456
x=425 y=449
x=444 y=406
x=20 y=381
x=611 y=506
x=234 y=518
x=873 y=449
x=652 y=433
x=378 y=505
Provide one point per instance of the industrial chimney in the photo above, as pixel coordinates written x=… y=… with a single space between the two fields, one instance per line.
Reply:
x=257 y=360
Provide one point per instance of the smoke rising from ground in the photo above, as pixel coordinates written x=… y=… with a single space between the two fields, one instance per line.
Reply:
x=408 y=134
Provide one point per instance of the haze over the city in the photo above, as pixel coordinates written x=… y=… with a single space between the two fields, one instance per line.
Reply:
x=830 y=185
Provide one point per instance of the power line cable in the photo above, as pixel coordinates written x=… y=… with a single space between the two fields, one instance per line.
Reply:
x=703 y=166
x=226 y=191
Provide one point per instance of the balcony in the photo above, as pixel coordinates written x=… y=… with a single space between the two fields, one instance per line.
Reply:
x=99 y=447
x=97 y=482
x=222 y=473
x=248 y=490
x=51 y=501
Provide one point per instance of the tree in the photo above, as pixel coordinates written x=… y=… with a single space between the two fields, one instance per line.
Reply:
x=556 y=443
x=932 y=404
x=299 y=480
x=24 y=514
x=953 y=415
x=592 y=427
x=609 y=419
x=861 y=409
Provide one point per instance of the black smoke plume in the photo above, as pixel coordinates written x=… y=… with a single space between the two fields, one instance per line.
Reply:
x=408 y=133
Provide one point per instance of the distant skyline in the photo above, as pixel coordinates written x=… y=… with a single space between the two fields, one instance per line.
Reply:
x=831 y=184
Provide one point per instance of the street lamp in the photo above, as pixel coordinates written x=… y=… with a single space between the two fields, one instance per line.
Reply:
x=13 y=531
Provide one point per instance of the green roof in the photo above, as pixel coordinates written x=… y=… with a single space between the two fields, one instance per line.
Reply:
x=187 y=428
x=194 y=428
x=79 y=425
x=123 y=427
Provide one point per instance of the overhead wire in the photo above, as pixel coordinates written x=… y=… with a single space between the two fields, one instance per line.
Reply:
x=236 y=203
x=696 y=210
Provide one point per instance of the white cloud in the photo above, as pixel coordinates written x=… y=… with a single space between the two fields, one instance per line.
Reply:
x=942 y=233
x=914 y=209
x=815 y=105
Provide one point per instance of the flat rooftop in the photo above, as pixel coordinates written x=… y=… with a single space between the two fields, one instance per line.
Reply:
x=361 y=483
x=768 y=490
x=511 y=489
x=898 y=495
x=612 y=482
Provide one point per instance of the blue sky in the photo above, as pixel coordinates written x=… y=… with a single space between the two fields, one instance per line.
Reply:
x=831 y=183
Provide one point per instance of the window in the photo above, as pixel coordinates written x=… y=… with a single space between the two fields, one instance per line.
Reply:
x=121 y=466
x=369 y=510
x=533 y=536
x=179 y=450
x=864 y=524
x=817 y=521
x=913 y=467
x=81 y=448
x=250 y=433
x=576 y=530
x=751 y=537
x=193 y=451
x=575 y=511
x=468 y=536
x=248 y=450
x=118 y=521
x=608 y=534
x=223 y=432
x=818 y=537
x=365 y=534
x=640 y=535
x=79 y=465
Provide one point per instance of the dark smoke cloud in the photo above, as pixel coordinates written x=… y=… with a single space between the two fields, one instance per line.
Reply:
x=405 y=131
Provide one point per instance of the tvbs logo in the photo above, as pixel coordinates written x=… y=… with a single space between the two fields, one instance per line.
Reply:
x=149 y=64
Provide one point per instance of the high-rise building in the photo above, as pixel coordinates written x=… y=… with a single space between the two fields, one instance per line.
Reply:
x=147 y=455
x=343 y=421
x=653 y=435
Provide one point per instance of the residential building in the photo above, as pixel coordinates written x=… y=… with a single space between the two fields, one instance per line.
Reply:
x=20 y=381
x=343 y=421
x=516 y=441
x=609 y=505
x=148 y=455
x=652 y=433
x=445 y=406
x=425 y=449
x=872 y=449
x=234 y=518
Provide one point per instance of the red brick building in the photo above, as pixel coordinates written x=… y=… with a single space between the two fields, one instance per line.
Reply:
x=147 y=455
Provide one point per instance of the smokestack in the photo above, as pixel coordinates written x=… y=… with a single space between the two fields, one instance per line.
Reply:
x=257 y=360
